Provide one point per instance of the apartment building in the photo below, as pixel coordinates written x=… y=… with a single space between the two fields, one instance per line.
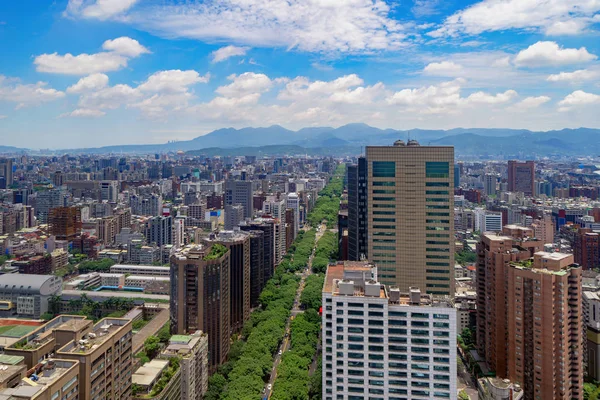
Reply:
x=200 y=296
x=193 y=350
x=105 y=360
x=50 y=380
x=384 y=343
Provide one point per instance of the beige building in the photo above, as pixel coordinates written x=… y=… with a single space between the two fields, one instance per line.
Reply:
x=411 y=215
x=50 y=380
x=193 y=350
x=105 y=360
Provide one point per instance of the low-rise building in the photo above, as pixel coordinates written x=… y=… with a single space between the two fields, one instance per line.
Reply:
x=498 y=389
x=28 y=294
x=50 y=380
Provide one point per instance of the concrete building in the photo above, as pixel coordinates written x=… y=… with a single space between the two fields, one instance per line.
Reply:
x=267 y=226
x=159 y=230
x=535 y=346
x=238 y=243
x=27 y=295
x=6 y=173
x=371 y=332
x=411 y=215
x=50 y=380
x=193 y=350
x=178 y=233
x=357 y=210
x=47 y=200
x=240 y=192
x=489 y=184
x=200 y=296
x=586 y=248
x=65 y=222
x=498 y=389
x=293 y=202
x=591 y=317
x=145 y=270
x=109 y=191
x=543 y=229
x=257 y=265
x=105 y=360
x=521 y=177
x=487 y=221
x=233 y=216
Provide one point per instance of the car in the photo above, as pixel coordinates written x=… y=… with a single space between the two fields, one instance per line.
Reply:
x=269 y=386
x=280 y=352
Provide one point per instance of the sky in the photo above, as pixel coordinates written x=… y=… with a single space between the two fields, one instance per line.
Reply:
x=88 y=73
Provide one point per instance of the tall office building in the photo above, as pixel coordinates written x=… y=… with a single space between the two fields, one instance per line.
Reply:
x=105 y=360
x=240 y=192
x=6 y=172
x=586 y=248
x=357 y=210
x=529 y=314
x=109 y=191
x=234 y=214
x=238 y=243
x=65 y=222
x=46 y=201
x=411 y=215
x=489 y=184
x=257 y=265
x=267 y=226
x=383 y=343
x=159 y=230
x=293 y=202
x=199 y=298
x=521 y=177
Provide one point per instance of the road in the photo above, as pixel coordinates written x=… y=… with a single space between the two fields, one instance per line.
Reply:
x=465 y=381
x=124 y=294
x=285 y=344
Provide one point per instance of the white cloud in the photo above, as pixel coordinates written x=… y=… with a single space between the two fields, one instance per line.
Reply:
x=502 y=62
x=542 y=54
x=100 y=9
x=83 y=113
x=172 y=81
x=423 y=8
x=486 y=98
x=121 y=50
x=89 y=83
x=444 y=68
x=575 y=76
x=226 y=52
x=554 y=17
x=244 y=84
x=27 y=94
x=579 y=98
x=347 y=26
x=125 y=46
x=109 y=98
x=430 y=99
x=3 y=116
x=81 y=64
x=531 y=102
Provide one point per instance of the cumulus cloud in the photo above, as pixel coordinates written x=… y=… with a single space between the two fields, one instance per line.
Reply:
x=575 y=76
x=119 y=52
x=89 y=83
x=531 y=102
x=83 y=113
x=125 y=46
x=244 y=84
x=100 y=9
x=486 y=98
x=553 y=17
x=444 y=68
x=25 y=95
x=173 y=81
x=579 y=98
x=226 y=52
x=542 y=54
x=347 y=26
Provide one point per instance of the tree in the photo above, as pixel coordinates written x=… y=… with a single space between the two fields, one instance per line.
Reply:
x=467 y=337
x=216 y=386
x=152 y=346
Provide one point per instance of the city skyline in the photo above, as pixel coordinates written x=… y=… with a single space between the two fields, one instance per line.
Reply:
x=88 y=73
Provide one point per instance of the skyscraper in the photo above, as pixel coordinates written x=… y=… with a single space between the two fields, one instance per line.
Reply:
x=357 y=210
x=159 y=230
x=385 y=342
x=6 y=172
x=234 y=214
x=267 y=226
x=65 y=222
x=411 y=215
x=240 y=192
x=529 y=314
x=521 y=177
x=293 y=202
x=199 y=298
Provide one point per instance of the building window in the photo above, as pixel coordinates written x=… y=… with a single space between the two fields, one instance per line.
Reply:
x=385 y=169
x=436 y=169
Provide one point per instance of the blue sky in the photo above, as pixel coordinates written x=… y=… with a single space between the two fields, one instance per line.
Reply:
x=83 y=73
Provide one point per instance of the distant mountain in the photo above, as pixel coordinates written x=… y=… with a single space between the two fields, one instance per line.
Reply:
x=10 y=149
x=467 y=141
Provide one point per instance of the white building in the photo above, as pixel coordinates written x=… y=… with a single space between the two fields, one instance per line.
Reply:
x=147 y=270
x=487 y=221
x=381 y=343
x=591 y=326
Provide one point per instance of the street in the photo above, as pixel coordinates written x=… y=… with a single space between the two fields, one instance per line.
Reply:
x=465 y=381
x=285 y=345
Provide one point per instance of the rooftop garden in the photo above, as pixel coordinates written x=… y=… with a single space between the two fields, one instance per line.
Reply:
x=216 y=251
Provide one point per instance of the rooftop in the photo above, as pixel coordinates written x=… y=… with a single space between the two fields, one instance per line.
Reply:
x=44 y=375
x=147 y=374
x=101 y=332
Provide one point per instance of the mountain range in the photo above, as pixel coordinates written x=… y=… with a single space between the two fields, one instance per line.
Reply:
x=350 y=139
